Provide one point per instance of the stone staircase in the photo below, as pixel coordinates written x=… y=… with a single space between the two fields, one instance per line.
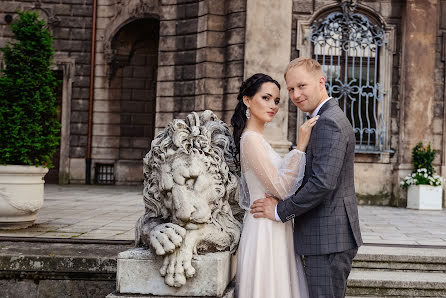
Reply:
x=87 y=268
x=398 y=271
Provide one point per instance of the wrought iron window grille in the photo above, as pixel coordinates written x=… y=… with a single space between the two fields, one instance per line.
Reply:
x=104 y=174
x=349 y=45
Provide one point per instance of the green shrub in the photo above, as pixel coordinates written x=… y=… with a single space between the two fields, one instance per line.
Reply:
x=423 y=170
x=423 y=157
x=28 y=113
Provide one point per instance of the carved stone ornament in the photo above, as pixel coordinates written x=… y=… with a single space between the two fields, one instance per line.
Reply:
x=136 y=8
x=191 y=179
x=46 y=13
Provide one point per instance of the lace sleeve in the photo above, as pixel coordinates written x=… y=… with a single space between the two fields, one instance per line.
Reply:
x=293 y=163
x=256 y=157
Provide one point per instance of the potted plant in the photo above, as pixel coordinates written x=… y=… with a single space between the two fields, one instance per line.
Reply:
x=29 y=130
x=424 y=186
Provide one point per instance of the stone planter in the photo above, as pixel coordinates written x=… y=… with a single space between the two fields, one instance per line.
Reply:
x=21 y=195
x=425 y=197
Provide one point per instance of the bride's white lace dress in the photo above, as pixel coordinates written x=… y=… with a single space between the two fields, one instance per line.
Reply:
x=266 y=264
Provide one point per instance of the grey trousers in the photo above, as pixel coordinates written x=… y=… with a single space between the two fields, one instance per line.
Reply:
x=327 y=274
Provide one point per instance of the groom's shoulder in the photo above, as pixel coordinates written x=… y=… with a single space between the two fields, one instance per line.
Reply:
x=335 y=111
x=334 y=116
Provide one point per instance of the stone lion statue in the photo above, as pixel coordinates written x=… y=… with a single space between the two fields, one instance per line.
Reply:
x=191 y=189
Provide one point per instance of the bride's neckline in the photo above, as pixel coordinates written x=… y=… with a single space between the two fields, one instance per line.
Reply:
x=249 y=130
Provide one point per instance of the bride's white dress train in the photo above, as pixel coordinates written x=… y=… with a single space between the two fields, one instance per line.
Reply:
x=266 y=264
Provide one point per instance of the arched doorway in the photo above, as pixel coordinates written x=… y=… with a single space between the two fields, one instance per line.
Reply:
x=132 y=76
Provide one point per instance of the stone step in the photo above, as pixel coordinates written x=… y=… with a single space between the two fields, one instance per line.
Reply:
x=363 y=296
x=58 y=267
x=87 y=268
x=366 y=283
x=401 y=258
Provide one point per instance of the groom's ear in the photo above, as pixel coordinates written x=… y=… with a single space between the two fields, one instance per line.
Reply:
x=322 y=83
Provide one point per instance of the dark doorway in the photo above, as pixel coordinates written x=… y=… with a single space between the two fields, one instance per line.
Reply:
x=133 y=81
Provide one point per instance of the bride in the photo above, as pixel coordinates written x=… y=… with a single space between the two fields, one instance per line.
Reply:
x=266 y=264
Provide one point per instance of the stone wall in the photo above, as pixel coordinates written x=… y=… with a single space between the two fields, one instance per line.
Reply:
x=421 y=107
x=72 y=32
x=439 y=127
x=200 y=58
x=198 y=67
x=191 y=59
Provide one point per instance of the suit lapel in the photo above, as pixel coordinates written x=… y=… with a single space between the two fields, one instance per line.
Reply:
x=330 y=103
x=308 y=167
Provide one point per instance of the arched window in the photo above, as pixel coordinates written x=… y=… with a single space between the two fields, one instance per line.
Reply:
x=350 y=45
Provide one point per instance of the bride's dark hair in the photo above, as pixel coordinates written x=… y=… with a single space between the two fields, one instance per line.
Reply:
x=248 y=88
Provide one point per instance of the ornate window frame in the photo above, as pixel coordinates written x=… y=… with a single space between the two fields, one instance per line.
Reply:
x=385 y=66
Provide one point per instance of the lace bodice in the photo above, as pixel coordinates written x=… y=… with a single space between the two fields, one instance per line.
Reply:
x=265 y=171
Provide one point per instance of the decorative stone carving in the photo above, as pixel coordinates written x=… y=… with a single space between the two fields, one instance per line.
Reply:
x=47 y=14
x=21 y=195
x=136 y=8
x=190 y=182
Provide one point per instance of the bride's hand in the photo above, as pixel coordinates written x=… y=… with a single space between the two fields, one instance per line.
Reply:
x=305 y=133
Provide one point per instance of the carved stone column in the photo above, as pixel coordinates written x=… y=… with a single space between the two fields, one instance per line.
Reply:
x=268 y=50
x=417 y=78
x=417 y=82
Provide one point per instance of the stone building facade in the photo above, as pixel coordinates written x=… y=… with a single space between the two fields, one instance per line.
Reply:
x=156 y=60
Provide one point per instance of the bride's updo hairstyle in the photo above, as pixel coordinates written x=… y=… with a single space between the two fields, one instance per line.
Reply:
x=248 y=88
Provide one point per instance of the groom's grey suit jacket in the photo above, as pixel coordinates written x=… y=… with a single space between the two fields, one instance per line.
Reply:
x=325 y=210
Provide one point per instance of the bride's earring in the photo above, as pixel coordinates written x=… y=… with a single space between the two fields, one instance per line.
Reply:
x=248 y=114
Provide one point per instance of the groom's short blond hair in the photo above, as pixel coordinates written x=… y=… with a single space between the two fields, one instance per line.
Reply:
x=310 y=65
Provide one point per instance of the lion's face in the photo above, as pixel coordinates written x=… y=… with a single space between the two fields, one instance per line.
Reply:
x=188 y=190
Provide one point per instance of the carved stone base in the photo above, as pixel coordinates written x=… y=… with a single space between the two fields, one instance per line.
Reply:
x=138 y=273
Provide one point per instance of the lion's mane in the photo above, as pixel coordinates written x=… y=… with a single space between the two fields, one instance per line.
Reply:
x=209 y=137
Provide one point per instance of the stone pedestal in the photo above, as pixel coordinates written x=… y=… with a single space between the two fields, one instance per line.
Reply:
x=138 y=274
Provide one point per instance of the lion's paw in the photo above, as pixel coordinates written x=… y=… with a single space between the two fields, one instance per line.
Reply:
x=176 y=268
x=165 y=238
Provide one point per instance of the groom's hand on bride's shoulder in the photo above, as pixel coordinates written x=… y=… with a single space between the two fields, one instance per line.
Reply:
x=265 y=208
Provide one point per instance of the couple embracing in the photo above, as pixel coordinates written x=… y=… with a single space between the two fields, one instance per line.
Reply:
x=301 y=229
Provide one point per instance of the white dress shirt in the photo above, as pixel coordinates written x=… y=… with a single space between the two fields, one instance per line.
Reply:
x=312 y=115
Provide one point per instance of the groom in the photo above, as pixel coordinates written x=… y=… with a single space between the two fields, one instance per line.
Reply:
x=326 y=225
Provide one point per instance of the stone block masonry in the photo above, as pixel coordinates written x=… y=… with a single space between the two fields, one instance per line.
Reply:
x=200 y=57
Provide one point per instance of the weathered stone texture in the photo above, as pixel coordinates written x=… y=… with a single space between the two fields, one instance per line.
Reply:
x=418 y=74
x=138 y=273
x=38 y=269
x=200 y=54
